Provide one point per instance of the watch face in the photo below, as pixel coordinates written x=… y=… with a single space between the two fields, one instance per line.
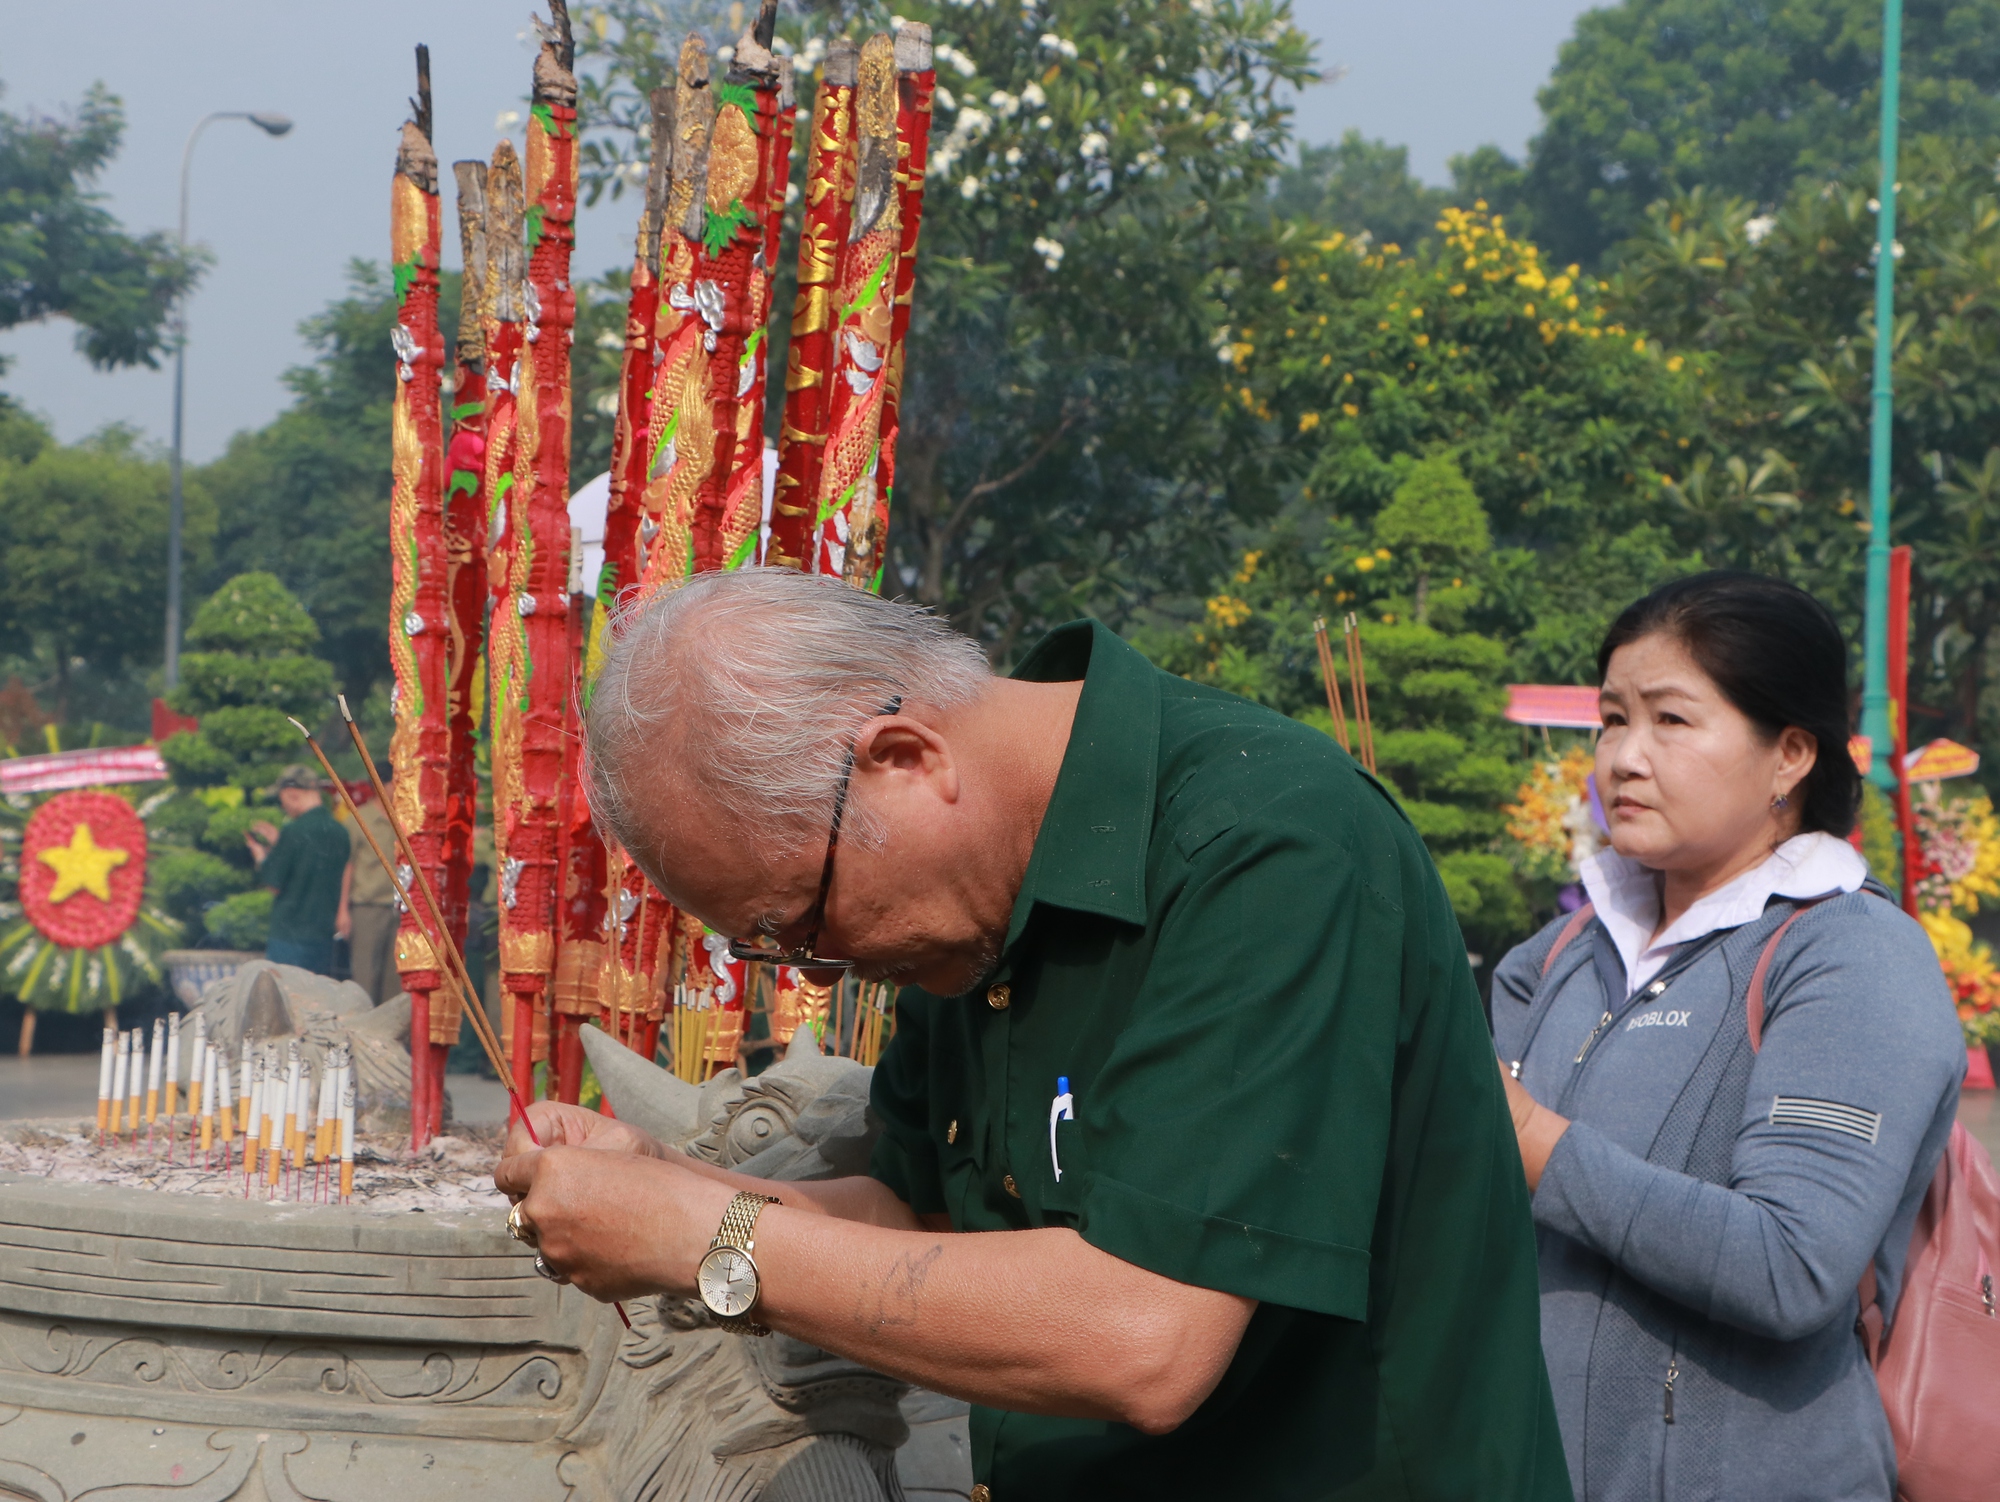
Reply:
x=727 y=1281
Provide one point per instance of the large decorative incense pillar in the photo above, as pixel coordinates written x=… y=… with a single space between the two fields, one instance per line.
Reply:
x=916 y=82
x=505 y=317
x=680 y=425
x=532 y=675
x=580 y=865
x=743 y=512
x=635 y=912
x=465 y=589
x=846 y=544
x=725 y=290
x=419 y=619
x=625 y=512
x=829 y=196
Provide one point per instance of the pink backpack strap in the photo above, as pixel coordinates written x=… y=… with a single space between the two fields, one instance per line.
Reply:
x=1753 y=999
x=1570 y=930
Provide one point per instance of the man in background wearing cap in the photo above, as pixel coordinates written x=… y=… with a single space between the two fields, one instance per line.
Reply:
x=303 y=868
x=368 y=916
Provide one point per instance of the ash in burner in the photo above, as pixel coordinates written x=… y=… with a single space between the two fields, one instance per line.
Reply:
x=452 y=1173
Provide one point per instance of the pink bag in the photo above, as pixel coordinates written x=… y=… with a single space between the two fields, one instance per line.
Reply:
x=1939 y=1371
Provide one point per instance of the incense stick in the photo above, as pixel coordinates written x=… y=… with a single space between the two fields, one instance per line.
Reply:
x=444 y=943
x=1332 y=682
x=475 y=1014
x=456 y=973
x=1358 y=672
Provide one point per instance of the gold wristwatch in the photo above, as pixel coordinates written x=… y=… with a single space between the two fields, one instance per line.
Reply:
x=727 y=1276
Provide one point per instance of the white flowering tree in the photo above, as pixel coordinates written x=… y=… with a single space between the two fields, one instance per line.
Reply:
x=1093 y=170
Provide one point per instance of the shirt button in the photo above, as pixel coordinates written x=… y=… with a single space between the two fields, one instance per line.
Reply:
x=951 y=1132
x=999 y=997
x=1007 y=1183
x=981 y=1492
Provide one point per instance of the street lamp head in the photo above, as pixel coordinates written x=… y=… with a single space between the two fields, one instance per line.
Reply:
x=274 y=125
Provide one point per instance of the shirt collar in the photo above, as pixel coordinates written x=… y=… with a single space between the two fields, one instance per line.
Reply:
x=1090 y=854
x=1626 y=894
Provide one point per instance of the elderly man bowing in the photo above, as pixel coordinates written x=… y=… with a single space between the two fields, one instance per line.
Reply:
x=1185 y=1023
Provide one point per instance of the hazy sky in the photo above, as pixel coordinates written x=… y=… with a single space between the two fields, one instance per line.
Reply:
x=284 y=217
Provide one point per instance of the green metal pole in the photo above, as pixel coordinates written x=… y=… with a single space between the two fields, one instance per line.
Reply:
x=1875 y=689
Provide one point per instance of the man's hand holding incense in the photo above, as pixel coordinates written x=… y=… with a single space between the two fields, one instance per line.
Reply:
x=613 y=1227
x=559 y=1125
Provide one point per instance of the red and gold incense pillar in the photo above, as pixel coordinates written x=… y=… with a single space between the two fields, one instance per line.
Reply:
x=726 y=281
x=419 y=622
x=504 y=306
x=744 y=509
x=581 y=867
x=829 y=197
x=531 y=646
x=465 y=595
x=633 y=912
x=680 y=441
x=916 y=83
x=848 y=538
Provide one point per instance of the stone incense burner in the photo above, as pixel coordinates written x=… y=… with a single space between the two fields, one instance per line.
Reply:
x=158 y=1346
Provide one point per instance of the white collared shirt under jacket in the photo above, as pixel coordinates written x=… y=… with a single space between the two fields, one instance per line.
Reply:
x=1627 y=897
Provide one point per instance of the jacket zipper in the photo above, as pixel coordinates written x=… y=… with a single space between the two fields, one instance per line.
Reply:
x=1673 y=1371
x=1602 y=1023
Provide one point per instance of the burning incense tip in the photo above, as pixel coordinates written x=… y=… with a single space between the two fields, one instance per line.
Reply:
x=345 y=713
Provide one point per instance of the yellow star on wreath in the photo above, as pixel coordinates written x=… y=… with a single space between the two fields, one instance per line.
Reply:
x=82 y=866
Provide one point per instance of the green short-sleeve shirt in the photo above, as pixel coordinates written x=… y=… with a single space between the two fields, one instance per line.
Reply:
x=1234 y=957
x=304 y=868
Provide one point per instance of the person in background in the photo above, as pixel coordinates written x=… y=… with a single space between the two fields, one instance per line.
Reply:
x=368 y=915
x=303 y=867
x=1716 y=1209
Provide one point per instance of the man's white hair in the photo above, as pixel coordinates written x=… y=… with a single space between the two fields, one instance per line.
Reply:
x=754 y=684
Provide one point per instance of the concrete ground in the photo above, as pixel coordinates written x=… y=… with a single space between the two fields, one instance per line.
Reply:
x=66 y=1084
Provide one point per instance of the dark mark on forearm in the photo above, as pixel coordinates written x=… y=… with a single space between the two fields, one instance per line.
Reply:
x=897 y=1300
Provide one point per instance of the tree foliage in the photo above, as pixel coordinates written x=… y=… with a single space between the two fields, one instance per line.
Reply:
x=63 y=256
x=1775 y=313
x=1360 y=186
x=1470 y=453
x=83 y=544
x=247 y=671
x=1654 y=97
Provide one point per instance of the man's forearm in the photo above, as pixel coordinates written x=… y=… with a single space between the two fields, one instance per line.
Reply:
x=1032 y=1321
x=857 y=1198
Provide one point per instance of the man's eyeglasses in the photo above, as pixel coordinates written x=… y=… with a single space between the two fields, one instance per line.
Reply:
x=803 y=957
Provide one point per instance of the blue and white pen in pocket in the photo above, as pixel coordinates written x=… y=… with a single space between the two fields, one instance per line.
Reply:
x=1062 y=1108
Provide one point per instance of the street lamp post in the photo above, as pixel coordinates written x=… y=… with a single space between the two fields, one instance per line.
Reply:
x=1875 y=708
x=272 y=125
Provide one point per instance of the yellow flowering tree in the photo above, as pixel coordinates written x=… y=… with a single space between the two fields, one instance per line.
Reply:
x=1464 y=447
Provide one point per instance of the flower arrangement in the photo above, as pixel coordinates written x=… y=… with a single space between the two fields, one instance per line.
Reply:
x=1970 y=972
x=1960 y=845
x=1549 y=818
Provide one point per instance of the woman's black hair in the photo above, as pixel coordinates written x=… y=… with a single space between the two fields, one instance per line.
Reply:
x=1777 y=654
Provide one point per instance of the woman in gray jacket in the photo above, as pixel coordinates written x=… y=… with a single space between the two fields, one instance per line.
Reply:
x=1707 y=1208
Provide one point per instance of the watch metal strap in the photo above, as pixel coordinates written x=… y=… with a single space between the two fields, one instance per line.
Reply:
x=738 y=1229
x=739 y=1221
